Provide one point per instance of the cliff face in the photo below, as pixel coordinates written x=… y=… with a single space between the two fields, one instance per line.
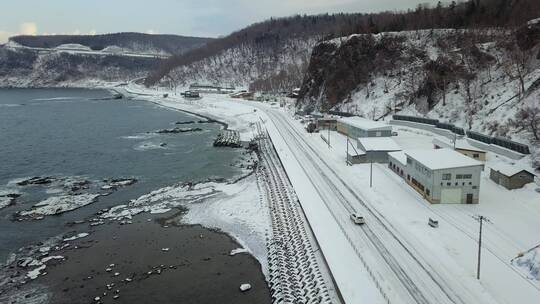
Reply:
x=339 y=66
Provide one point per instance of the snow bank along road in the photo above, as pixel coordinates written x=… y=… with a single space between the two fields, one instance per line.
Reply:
x=397 y=271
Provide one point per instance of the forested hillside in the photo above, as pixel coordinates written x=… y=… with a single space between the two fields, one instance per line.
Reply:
x=271 y=55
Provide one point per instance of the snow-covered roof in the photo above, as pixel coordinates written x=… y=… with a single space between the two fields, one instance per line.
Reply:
x=399 y=156
x=436 y=159
x=378 y=144
x=364 y=124
x=461 y=144
x=533 y=21
x=507 y=169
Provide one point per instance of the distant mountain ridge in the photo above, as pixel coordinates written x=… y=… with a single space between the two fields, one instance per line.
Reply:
x=86 y=60
x=169 y=44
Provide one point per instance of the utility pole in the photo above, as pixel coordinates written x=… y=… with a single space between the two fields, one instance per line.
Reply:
x=347 y=155
x=371 y=174
x=481 y=219
x=328 y=135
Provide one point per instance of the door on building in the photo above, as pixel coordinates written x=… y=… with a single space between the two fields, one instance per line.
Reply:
x=451 y=196
x=469 y=198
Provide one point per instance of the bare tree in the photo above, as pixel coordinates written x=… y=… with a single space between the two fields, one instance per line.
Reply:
x=516 y=67
x=528 y=119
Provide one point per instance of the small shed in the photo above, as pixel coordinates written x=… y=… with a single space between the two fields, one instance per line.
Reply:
x=376 y=148
x=510 y=176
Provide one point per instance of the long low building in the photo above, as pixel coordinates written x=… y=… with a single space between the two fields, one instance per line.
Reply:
x=440 y=175
x=462 y=146
x=356 y=127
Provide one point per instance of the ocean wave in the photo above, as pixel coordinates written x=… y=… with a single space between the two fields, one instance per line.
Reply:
x=140 y=136
x=10 y=105
x=58 y=98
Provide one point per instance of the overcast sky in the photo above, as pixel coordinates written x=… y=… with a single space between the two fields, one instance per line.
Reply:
x=209 y=18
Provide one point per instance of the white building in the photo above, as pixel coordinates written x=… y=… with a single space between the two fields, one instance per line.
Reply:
x=440 y=175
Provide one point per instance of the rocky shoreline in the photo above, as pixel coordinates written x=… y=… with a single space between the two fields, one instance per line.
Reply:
x=109 y=263
x=70 y=193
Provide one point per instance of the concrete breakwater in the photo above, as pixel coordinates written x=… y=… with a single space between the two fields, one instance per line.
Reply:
x=228 y=138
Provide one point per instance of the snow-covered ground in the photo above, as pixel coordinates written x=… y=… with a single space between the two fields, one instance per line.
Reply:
x=397 y=256
x=451 y=249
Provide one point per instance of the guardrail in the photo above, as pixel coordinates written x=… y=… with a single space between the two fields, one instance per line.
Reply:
x=497 y=141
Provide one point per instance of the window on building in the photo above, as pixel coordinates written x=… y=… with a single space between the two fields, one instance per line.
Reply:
x=449 y=184
x=476 y=155
x=467 y=176
x=463 y=184
x=447 y=176
x=470 y=183
x=428 y=192
x=459 y=176
x=441 y=184
x=409 y=161
x=457 y=184
x=475 y=187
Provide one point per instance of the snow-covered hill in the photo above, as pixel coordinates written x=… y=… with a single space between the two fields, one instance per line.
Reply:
x=261 y=67
x=86 y=60
x=28 y=67
x=483 y=80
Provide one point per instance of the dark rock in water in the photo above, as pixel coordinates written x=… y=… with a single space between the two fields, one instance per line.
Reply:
x=185 y=122
x=163 y=144
x=12 y=195
x=178 y=130
x=114 y=183
x=36 y=181
x=75 y=186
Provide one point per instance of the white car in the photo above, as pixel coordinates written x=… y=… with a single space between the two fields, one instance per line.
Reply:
x=357 y=219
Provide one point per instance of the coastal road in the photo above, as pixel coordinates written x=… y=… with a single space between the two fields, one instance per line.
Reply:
x=402 y=275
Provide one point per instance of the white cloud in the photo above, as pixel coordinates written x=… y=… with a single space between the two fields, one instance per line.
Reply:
x=28 y=28
x=4 y=36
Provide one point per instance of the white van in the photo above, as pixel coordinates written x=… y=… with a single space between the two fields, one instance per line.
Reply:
x=357 y=219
